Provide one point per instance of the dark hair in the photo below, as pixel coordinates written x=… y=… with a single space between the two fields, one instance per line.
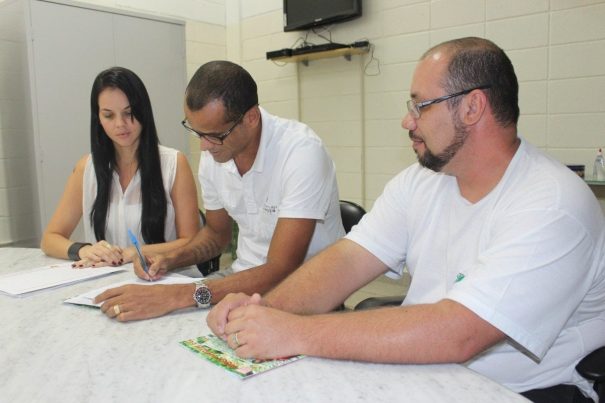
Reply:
x=475 y=62
x=225 y=81
x=153 y=196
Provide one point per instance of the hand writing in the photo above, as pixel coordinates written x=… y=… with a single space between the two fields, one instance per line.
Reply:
x=156 y=265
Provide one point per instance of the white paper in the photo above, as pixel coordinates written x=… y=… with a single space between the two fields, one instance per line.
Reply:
x=88 y=297
x=53 y=275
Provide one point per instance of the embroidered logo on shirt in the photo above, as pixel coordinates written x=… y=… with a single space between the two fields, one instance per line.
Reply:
x=270 y=209
x=459 y=277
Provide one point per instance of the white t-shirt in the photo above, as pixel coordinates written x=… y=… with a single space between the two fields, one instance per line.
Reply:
x=125 y=208
x=528 y=258
x=292 y=177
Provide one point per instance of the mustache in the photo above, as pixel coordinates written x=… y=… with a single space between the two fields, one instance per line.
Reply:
x=413 y=137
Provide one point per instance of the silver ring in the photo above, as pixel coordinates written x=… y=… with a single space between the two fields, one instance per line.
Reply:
x=236 y=340
x=116 y=309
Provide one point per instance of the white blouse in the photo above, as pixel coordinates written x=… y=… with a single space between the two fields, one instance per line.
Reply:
x=125 y=208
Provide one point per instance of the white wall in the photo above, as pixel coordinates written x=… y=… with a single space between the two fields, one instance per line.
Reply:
x=557 y=47
x=209 y=11
x=18 y=197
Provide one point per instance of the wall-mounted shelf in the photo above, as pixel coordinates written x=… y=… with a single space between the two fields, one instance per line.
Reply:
x=356 y=48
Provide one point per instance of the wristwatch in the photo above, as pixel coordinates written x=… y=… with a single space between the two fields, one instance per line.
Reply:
x=202 y=295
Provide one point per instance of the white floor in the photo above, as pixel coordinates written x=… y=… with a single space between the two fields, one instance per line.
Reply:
x=382 y=286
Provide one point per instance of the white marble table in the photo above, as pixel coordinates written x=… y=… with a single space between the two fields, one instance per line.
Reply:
x=55 y=352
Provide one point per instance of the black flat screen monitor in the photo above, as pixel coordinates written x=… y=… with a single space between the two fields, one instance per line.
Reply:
x=305 y=14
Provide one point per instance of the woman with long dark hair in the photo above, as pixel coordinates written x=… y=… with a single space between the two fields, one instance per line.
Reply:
x=128 y=182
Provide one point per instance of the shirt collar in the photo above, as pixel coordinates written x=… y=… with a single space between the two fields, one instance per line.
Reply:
x=265 y=138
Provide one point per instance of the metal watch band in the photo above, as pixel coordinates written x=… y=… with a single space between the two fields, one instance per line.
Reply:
x=202 y=294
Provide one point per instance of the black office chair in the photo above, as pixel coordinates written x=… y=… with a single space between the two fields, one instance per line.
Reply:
x=212 y=265
x=592 y=367
x=377 y=302
x=350 y=213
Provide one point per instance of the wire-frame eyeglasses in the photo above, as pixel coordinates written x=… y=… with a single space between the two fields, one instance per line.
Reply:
x=414 y=107
x=213 y=138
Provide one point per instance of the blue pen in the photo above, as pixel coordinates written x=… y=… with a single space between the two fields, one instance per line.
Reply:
x=134 y=241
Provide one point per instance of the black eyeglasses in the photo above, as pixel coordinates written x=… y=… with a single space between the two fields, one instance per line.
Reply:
x=213 y=138
x=414 y=107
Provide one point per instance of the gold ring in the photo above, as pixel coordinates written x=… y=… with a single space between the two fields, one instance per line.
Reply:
x=236 y=340
x=116 y=309
x=106 y=244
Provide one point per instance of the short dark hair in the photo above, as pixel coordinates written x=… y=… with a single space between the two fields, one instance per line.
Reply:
x=153 y=194
x=475 y=62
x=224 y=81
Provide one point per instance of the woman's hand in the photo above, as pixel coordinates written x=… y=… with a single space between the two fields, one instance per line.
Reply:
x=100 y=254
x=129 y=254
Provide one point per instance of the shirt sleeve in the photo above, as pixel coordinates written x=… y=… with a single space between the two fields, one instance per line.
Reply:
x=383 y=230
x=309 y=179
x=531 y=277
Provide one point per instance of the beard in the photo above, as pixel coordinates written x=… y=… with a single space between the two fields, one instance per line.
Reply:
x=436 y=162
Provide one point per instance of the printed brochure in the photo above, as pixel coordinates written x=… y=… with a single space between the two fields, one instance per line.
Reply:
x=218 y=352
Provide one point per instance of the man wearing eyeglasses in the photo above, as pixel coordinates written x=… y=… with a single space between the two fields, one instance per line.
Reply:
x=273 y=176
x=505 y=247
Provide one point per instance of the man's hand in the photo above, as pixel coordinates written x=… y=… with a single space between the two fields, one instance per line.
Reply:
x=157 y=265
x=217 y=317
x=256 y=331
x=134 y=302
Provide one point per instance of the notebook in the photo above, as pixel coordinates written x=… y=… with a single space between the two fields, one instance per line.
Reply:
x=55 y=275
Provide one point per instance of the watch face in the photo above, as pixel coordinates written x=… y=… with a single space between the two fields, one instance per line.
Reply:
x=202 y=295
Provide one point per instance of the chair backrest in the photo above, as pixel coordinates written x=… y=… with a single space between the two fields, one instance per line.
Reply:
x=592 y=367
x=351 y=213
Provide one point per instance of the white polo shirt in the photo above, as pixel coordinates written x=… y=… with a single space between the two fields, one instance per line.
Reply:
x=292 y=177
x=529 y=258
